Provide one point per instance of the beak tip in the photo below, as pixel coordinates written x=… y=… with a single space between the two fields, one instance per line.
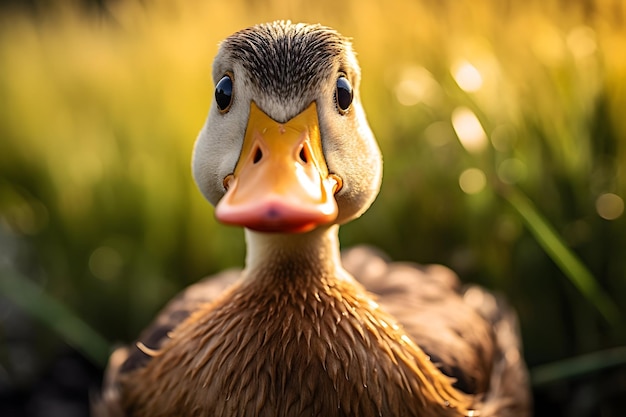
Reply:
x=276 y=216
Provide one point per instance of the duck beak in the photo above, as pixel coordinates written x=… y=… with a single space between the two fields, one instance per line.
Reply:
x=281 y=182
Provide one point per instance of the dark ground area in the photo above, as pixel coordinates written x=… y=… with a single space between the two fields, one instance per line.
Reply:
x=63 y=390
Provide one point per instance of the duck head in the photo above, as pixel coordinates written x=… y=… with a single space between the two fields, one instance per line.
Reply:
x=286 y=146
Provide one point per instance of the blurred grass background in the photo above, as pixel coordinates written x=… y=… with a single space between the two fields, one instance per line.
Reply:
x=503 y=128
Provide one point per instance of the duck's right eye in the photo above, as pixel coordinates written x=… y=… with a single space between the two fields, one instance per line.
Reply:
x=224 y=93
x=343 y=94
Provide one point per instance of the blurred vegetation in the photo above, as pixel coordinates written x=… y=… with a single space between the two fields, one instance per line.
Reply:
x=502 y=125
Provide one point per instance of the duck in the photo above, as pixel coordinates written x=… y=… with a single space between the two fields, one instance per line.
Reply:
x=305 y=329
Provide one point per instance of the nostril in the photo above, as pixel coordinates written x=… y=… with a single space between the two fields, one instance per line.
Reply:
x=338 y=183
x=257 y=155
x=303 y=156
x=227 y=180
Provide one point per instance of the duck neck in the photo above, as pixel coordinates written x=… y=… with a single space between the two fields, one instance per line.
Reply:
x=295 y=255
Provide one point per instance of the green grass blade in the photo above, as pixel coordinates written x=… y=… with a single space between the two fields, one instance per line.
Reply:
x=55 y=315
x=577 y=366
x=567 y=261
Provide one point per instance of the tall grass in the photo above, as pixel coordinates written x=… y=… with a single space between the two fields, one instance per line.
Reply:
x=470 y=100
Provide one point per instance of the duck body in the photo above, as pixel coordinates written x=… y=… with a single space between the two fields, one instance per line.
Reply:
x=299 y=331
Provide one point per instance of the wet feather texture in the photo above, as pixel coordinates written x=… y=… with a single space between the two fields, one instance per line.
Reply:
x=246 y=347
x=331 y=351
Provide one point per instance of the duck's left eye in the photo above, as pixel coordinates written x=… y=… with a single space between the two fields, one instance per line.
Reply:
x=343 y=94
x=224 y=93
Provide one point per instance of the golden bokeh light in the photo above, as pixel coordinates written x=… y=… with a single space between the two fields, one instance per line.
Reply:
x=610 y=206
x=469 y=130
x=472 y=181
x=467 y=76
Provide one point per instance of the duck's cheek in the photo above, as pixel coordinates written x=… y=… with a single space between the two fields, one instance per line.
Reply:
x=281 y=182
x=361 y=183
x=215 y=153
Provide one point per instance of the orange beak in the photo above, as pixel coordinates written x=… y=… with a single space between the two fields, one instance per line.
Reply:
x=281 y=182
